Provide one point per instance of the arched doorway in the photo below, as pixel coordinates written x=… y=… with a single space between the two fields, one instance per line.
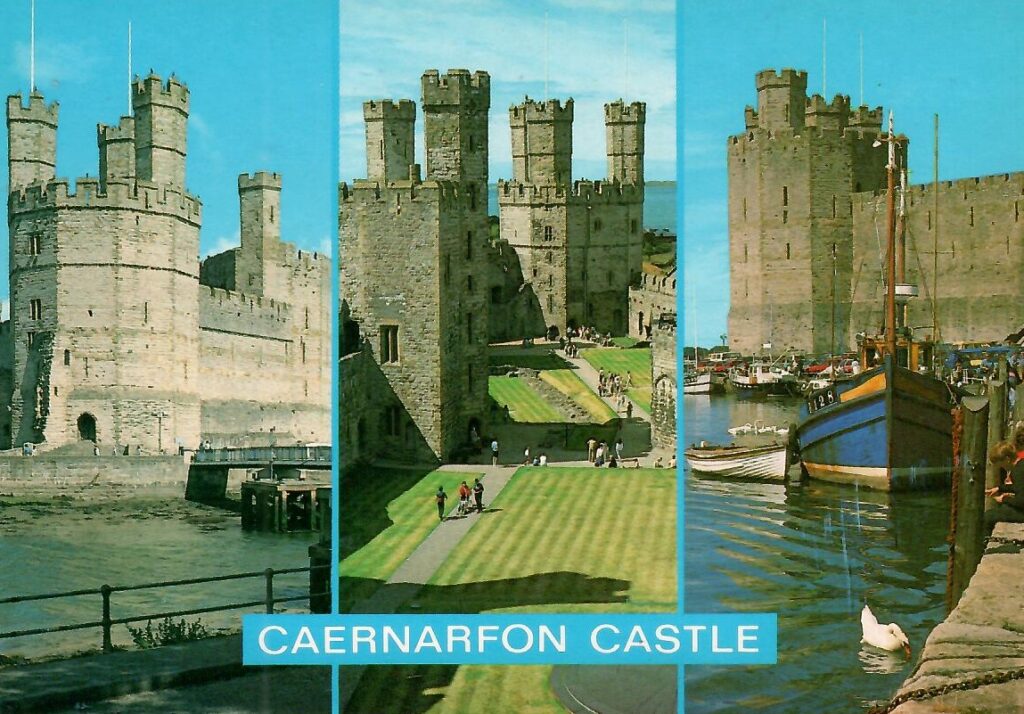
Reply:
x=87 y=427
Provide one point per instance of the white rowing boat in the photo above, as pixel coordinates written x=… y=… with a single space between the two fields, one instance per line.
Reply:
x=768 y=461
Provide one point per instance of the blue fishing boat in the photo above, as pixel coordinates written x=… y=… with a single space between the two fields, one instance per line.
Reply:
x=889 y=427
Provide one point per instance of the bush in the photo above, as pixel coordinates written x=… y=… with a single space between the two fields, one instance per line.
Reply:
x=167 y=632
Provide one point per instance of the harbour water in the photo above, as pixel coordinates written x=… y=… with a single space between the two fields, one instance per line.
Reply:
x=59 y=545
x=815 y=554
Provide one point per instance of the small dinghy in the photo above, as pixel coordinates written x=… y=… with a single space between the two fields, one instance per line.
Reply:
x=767 y=461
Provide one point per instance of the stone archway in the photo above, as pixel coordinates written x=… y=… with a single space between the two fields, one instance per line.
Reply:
x=87 y=427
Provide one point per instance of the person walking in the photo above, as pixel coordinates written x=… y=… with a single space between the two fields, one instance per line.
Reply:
x=464 y=493
x=618 y=448
x=591 y=449
x=478 y=495
x=440 y=497
x=629 y=409
x=494 y=452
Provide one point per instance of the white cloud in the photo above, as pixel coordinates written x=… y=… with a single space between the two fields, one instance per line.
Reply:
x=222 y=243
x=58 y=62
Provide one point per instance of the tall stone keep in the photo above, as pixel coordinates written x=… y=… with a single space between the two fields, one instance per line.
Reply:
x=161 y=118
x=31 y=140
x=542 y=142
x=624 y=132
x=259 y=201
x=793 y=173
x=117 y=150
x=390 y=139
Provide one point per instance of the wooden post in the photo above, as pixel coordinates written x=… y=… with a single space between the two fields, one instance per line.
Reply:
x=996 y=429
x=968 y=539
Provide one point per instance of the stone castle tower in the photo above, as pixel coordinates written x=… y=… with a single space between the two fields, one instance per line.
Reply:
x=410 y=252
x=579 y=244
x=793 y=174
x=112 y=337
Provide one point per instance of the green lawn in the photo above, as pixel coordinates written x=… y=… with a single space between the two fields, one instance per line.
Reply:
x=385 y=541
x=568 y=383
x=564 y=540
x=636 y=361
x=523 y=401
x=642 y=397
x=624 y=342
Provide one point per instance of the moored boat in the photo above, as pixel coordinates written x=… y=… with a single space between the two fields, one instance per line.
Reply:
x=762 y=379
x=769 y=461
x=698 y=383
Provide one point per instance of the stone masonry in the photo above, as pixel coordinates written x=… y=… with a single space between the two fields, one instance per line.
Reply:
x=664 y=382
x=807 y=229
x=117 y=333
x=648 y=301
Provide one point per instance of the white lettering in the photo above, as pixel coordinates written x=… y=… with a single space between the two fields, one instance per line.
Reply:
x=305 y=641
x=263 y=640
x=458 y=633
x=714 y=641
x=670 y=634
x=695 y=631
x=505 y=639
x=594 y=643
x=361 y=634
x=334 y=636
x=391 y=636
x=428 y=639
x=637 y=638
x=742 y=638
x=483 y=637
x=546 y=633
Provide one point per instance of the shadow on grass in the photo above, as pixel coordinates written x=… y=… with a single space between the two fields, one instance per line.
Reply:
x=539 y=361
x=363 y=498
x=409 y=690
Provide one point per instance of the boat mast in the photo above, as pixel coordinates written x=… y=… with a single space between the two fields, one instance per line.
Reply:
x=890 y=296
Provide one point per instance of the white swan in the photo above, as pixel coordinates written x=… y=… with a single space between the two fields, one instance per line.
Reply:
x=887 y=637
x=745 y=429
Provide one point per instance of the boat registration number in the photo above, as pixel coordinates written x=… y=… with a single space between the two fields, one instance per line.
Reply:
x=822 y=399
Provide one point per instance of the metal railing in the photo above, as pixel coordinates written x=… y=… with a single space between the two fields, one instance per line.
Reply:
x=265 y=454
x=106 y=622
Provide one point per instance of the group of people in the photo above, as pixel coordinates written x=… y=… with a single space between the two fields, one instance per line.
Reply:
x=466 y=492
x=600 y=454
x=1008 y=494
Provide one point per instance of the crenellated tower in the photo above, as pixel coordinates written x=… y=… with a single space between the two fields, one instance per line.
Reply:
x=259 y=201
x=390 y=139
x=792 y=176
x=624 y=131
x=31 y=140
x=542 y=142
x=117 y=151
x=161 y=117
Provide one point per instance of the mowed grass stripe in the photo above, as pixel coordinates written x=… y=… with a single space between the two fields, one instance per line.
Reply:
x=642 y=397
x=635 y=361
x=523 y=401
x=568 y=383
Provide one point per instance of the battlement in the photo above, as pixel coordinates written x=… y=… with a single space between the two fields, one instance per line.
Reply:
x=962 y=186
x=548 y=110
x=786 y=78
x=260 y=180
x=152 y=90
x=515 y=193
x=817 y=104
x=36 y=111
x=618 y=112
x=866 y=118
x=129 y=195
x=456 y=87
x=447 y=193
x=124 y=131
x=388 y=109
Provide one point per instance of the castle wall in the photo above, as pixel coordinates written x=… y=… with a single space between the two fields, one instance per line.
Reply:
x=664 y=381
x=654 y=296
x=980 y=258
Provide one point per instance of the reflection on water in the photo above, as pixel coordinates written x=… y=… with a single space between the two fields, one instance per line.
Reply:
x=814 y=553
x=57 y=545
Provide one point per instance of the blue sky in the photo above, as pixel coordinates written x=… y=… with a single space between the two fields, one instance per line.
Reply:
x=384 y=53
x=961 y=60
x=261 y=76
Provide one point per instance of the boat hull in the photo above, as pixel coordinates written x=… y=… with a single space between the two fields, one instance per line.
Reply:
x=888 y=429
x=699 y=384
x=767 y=462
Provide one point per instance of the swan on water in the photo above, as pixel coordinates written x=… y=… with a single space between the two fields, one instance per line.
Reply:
x=887 y=637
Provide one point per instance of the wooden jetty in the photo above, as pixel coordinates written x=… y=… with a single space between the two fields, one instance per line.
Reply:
x=283 y=505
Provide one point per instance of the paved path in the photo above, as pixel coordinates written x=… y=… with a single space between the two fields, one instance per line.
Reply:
x=420 y=567
x=592 y=378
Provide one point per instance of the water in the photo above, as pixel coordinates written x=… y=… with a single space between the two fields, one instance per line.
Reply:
x=659 y=204
x=813 y=553
x=57 y=545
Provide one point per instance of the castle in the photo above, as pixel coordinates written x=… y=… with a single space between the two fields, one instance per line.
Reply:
x=424 y=287
x=117 y=333
x=807 y=230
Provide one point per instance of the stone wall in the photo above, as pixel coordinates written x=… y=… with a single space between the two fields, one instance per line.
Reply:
x=664 y=383
x=90 y=476
x=654 y=296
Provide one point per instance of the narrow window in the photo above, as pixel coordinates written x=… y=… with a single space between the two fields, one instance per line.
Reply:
x=972 y=216
x=744 y=208
x=469 y=379
x=472 y=197
x=469 y=245
x=447 y=270
x=633 y=226
x=381 y=149
x=469 y=327
x=85 y=362
x=67 y=358
x=35 y=309
x=549 y=233
x=787 y=251
x=35 y=244
x=1016 y=211
x=307 y=318
x=145 y=313
x=551 y=257
x=551 y=303
x=535 y=273
x=31 y=338
x=785 y=195
x=469 y=283
x=785 y=216
x=786 y=112
x=271 y=214
x=551 y=281
x=744 y=253
x=597 y=224
x=303 y=344
x=833 y=205
x=389 y=343
x=929 y=220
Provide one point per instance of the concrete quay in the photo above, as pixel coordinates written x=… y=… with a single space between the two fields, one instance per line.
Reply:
x=974 y=660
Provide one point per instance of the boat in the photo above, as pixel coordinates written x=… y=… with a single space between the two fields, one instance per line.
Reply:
x=762 y=378
x=768 y=461
x=697 y=383
x=889 y=427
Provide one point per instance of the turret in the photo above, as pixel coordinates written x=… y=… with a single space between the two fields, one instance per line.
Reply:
x=161 y=117
x=31 y=140
x=542 y=142
x=117 y=150
x=455 y=107
x=781 y=98
x=624 y=129
x=832 y=115
x=390 y=139
x=259 y=197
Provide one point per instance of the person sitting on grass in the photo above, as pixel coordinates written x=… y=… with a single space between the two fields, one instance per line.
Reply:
x=1009 y=492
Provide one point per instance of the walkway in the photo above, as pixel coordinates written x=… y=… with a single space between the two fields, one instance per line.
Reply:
x=592 y=378
x=974 y=660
